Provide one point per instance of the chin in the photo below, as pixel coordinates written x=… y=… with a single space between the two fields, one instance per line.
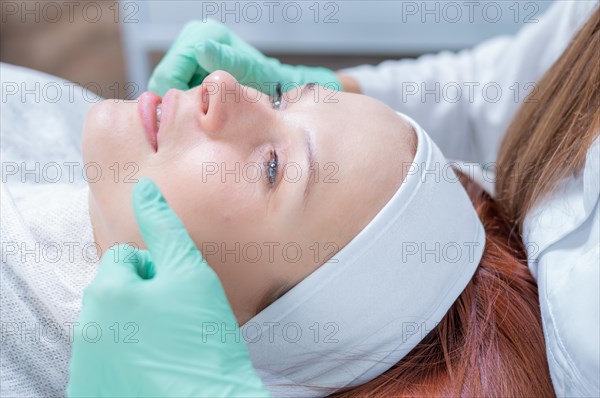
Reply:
x=112 y=134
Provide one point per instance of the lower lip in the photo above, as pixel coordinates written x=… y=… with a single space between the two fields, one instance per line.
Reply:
x=147 y=103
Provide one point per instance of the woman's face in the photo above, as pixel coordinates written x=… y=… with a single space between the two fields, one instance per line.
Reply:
x=268 y=195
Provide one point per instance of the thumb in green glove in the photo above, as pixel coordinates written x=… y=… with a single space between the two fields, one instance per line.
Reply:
x=204 y=47
x=155 y=314
x=259 y=71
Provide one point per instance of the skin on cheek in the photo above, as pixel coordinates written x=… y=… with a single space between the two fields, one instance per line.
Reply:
x=234 y=206
x=200 y=204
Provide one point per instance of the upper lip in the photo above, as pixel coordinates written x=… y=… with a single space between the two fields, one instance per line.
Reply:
x=165 y=110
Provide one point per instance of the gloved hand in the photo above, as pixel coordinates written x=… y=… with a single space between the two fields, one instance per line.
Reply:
x=203 y=47
x=166 y=325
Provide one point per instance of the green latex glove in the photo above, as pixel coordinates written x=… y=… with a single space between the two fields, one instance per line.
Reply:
x=165 y=321
x=204 y=47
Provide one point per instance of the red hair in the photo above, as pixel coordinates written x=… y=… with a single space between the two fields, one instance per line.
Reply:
x=490 y=343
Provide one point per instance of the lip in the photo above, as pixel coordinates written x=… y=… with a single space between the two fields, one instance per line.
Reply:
x=147 y=103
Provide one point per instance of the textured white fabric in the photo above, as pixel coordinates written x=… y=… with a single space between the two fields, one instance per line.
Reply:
x=48 y=254
x=377 y=298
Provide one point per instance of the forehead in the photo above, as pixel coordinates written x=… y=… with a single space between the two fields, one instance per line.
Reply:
x=361 y=147
x=354 y=130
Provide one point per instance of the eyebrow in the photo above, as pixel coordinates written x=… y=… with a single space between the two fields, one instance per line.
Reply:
x=310 y=158
x=272 y=295
x=308 y=87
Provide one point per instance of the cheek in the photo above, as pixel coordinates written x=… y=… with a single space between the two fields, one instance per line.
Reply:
x=210 y=210
x=214 y=203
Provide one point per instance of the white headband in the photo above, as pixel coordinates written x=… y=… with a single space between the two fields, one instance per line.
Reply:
x=365 y=309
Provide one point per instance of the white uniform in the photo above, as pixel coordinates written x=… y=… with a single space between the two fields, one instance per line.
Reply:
x=465 y=101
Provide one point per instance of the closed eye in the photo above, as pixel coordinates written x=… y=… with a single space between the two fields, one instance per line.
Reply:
x=277 y=97
x=272 y=166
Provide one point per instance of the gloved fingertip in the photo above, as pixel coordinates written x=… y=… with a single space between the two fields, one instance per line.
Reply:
x=207 y=55
x=146 y=190
x=155 y=88
x=151 y=208
x=120 y=262
x=160 y=82
x=208 y=44
x=145 y=268
x=139 y=261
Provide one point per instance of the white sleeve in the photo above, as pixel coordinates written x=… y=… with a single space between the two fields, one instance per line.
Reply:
x=562 y=235
x=466 y=100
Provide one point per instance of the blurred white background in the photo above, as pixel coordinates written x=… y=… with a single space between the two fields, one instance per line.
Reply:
x=114 y=43
x=393 y=28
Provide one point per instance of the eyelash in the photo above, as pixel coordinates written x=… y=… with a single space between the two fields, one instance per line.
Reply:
x=272 y=168
x=274 y=162
x=276 y=101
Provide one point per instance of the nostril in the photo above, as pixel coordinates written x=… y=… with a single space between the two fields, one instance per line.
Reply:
x=204 y=99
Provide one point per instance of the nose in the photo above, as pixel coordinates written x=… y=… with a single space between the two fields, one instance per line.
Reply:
x=223 y=100
x=218 y=92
